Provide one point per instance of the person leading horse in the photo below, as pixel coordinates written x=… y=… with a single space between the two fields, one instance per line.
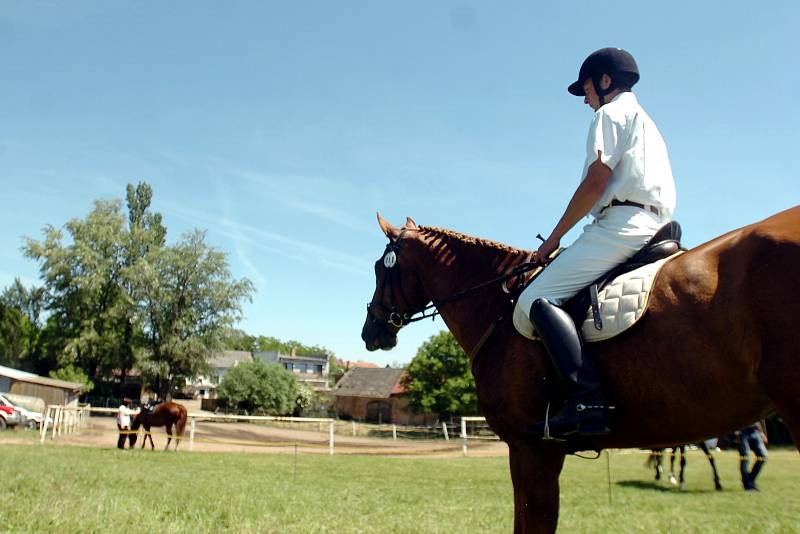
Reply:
x=627 y=186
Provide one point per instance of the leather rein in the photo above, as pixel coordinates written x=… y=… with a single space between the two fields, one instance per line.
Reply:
x=390 y=316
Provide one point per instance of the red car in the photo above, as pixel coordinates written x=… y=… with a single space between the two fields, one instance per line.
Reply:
x=8 y=417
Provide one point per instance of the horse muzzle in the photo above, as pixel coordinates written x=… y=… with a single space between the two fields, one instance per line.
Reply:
x=376 y=335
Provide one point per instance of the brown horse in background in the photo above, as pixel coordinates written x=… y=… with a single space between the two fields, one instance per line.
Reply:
x=722 y=330
x=170 y=415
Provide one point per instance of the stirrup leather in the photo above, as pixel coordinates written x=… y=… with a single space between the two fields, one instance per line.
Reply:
x=546 y=435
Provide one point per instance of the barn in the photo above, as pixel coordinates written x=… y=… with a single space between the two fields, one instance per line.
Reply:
x=376 y=396
x=51 y=390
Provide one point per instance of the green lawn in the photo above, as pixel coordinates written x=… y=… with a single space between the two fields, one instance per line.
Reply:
x=66 y=489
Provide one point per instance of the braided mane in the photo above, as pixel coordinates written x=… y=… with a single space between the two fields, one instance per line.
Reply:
x=435 y=232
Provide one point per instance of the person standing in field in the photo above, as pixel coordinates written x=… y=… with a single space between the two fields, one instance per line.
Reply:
x=753 y=438
x=124 y=422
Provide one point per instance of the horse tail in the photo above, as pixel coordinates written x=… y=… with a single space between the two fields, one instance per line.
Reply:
x=180 y=426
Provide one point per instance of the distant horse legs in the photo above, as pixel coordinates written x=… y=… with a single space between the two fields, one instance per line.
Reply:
x=169 y=428
x=675 y=450
x=656 y=457
x=710 y=456
x=147 y=435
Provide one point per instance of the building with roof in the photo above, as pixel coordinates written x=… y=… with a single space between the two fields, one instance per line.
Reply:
x=376 y=395
x=205 y=387
x=50 y=390
x=312 y=370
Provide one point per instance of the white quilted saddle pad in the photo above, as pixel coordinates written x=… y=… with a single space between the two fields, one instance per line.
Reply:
x=622 y=303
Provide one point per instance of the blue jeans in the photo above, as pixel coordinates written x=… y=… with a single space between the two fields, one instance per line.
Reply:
x=750 y=439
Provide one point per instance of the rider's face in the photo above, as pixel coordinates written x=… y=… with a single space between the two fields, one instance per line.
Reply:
x=591 y=98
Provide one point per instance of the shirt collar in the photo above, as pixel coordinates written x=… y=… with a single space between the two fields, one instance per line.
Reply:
x=627 y=95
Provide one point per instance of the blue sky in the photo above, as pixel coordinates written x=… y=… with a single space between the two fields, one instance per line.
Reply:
x=283 y=127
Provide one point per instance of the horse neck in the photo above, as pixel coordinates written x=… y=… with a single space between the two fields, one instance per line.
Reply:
x=450 y=263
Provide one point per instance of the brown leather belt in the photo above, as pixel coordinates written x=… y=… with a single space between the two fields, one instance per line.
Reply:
x=615 y=202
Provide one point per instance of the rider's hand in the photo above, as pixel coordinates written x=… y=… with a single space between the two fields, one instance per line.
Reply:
x=542 y=255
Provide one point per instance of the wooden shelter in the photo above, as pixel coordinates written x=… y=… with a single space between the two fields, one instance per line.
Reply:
x=50 y=390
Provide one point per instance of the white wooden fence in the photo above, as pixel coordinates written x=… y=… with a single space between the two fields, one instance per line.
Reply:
x=63 y=420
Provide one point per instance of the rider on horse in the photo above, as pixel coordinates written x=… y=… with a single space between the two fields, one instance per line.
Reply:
x=627 y=186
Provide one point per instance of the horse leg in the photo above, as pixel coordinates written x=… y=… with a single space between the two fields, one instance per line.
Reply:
x=534 y=473
x=781 y=385
x=656 y=456
x=150 y=435
x=710 y=456
x=177 y=436
x=168 y=428
x=683 y=467
x=672 y=479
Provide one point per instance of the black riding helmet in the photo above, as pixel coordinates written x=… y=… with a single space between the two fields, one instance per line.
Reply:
x=616 y=62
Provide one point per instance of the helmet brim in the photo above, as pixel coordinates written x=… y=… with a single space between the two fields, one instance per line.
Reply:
x=576 y=88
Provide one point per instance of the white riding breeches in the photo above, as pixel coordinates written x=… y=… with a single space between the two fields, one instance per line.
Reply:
x=616 y=235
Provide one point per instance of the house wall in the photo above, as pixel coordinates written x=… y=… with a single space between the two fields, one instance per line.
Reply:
x=402 y=414
x=50 y=394
x=356 y=408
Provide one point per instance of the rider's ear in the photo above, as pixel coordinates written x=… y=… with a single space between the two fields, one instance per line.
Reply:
x=390 y=231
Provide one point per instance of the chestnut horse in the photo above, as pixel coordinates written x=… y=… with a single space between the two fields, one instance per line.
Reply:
x=722 y=330
x=170 y=415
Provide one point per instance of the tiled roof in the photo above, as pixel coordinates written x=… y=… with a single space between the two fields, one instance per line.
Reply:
x=350 y=364
x=378 y=383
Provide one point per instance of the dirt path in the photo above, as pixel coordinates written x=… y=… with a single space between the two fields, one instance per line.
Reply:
x=257 y=438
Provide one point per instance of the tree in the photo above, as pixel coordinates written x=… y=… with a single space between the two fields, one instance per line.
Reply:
x=14 y=334
x=118 y=296
x=258 y=386
x=439 y=378
x=335 y=371
x=266 y=343
x=83 y=282
x=235 y=339
x=70 y=373
x=186 y=301
x=146 y=233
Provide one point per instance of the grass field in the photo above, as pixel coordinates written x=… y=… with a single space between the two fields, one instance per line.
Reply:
x=66 y=489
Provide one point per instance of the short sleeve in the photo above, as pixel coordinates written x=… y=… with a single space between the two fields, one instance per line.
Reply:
x=605 y=135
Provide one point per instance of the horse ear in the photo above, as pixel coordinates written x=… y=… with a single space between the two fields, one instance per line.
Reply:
x=390 y=231
x=410 y=224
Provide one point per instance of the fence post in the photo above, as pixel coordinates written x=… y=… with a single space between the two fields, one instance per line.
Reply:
x=394 y=432
x=44 y=424
x=354 y=427
x=191 y=437
x=444 y=431
x=330 y=437
x=464 y=436
x=56 y=421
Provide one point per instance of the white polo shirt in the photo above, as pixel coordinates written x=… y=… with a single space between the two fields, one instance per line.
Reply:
x=124 y=415
x=634 y=150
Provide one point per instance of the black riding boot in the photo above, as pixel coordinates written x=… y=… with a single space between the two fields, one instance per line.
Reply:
x=583 y=412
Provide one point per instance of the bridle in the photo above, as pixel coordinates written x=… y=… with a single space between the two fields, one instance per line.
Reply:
x=388 y=315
